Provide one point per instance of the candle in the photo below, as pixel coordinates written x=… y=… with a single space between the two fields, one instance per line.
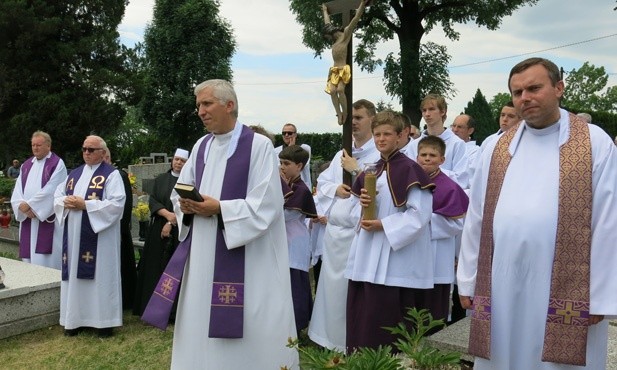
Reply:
x=370 y=184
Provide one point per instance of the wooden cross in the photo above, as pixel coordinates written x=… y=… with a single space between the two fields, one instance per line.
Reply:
x=345 y=7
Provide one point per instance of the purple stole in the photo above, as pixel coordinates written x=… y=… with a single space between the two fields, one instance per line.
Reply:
x=88 y=243
x=227 y=304
x=300 y=199
x=402 y=173
x=449 y=199
x=567 y=320
x=45 y=235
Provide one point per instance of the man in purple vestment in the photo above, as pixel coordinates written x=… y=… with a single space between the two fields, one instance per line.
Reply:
x=40 y=240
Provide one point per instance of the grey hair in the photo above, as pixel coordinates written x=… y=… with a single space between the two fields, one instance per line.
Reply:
x=100 y=139
x=222 y=90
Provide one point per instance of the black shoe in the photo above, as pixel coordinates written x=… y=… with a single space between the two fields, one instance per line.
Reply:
x=71 y=332
x=105 y=332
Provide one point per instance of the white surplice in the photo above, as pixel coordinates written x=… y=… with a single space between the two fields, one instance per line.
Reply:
x=328 y=321
x=257 y=223
x=401 y=254
x=444 y=231
x=524 y=230
x=41 y=200
x=94 y=302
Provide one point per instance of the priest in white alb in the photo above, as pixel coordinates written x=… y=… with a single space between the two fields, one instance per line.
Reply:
x=88 y=206
x=235 y=308
x=538 y=256
x=40 y=237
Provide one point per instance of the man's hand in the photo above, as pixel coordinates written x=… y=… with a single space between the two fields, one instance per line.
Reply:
x=292 y=140
x=349 y=163
x=466 y=302
x=365 y=199
x=209 y=206
x=594 y=319
x=25 y=209
x=371 y=225
x=74 y=202
x=343 y=191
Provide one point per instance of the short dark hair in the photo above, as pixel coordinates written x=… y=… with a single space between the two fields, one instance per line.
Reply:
x=295 y=153
x=432 y=141
x=369 y=106
x=471 y=123
x=553 y=71
x=509 y=104
x=405 y=119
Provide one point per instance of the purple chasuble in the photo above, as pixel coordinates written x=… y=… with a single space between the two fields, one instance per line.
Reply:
x=449 y=199
x=88 y=242
x=227 y=312
x=301 y=198
x=45 y=234
x=402 y=173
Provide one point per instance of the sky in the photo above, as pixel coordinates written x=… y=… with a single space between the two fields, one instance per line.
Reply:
x=278 y=79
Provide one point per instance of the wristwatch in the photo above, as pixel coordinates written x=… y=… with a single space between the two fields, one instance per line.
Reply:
x=354 y=172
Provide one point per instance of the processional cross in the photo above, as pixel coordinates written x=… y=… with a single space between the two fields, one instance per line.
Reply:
x=340 y=83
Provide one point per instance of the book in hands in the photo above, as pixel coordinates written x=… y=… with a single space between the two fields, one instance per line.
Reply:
x=188 y=191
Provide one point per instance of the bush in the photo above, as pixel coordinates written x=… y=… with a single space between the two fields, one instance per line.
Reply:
x=6 y=187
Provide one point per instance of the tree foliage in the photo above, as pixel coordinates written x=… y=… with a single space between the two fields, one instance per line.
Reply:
x=61 y=71
x=586 y=90
x=480 y=110
x=187 y=43
x=407 y=74
x=497 y=102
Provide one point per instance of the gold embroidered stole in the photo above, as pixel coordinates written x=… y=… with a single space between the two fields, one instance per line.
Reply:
x=565 y=339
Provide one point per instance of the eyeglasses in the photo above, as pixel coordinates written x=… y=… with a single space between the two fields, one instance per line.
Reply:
x=288 y=133
x=90 y=150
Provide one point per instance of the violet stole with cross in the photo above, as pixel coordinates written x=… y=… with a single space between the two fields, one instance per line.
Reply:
x=86 y=266
x=226 y=311
x=45 y=233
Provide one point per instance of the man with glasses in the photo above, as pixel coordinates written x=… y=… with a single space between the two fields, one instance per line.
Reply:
x=290 y=136
x=89 y=207
x=40 y=239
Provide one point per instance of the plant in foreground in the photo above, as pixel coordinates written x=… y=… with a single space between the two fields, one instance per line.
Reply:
x=415 y=353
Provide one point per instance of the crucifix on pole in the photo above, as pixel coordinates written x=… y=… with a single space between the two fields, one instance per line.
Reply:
x=339 y=78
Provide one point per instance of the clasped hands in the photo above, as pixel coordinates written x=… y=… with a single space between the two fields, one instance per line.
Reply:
x=74 y=202
x=208 y=207
x=25 y=209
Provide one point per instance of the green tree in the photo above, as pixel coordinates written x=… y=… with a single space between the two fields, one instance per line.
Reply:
x=408 y=21
x=480 y=110
x=61 y=70
x=585 y=90
x=187 y=43
x=497 y=102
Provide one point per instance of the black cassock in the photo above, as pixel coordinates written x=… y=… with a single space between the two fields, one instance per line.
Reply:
x=157 y=251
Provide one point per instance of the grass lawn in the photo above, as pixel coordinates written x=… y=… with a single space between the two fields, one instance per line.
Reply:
x=133 y=346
